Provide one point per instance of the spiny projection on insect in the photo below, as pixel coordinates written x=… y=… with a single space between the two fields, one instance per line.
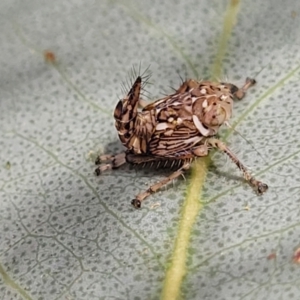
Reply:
x=173 y=131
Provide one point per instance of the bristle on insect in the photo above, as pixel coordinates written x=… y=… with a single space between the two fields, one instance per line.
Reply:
x=163 y=164
x=132 y=75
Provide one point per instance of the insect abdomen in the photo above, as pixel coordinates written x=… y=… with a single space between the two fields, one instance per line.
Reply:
x=155 y=162
x=126 y=112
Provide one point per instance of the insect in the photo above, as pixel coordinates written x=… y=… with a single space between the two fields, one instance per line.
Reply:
x=173 y=131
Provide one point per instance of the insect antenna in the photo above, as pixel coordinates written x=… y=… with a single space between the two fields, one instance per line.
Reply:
x=250 y=143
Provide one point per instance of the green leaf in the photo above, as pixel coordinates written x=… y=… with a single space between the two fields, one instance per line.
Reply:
x=67 y=234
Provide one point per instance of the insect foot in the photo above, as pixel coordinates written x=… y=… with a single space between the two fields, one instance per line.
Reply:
x=136 y=203
x=114 y=162
x=98 y=160
x=261 y=187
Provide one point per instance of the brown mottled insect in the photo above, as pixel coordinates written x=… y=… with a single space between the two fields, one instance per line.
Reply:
x=174 y=130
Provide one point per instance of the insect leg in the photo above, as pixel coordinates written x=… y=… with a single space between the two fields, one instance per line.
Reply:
x=201 y=150
x=240 y=93
x=115 y=161
x=155 y=187
x=102 y=158
x=259 y=186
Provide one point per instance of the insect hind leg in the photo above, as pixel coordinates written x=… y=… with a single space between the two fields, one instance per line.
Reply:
x=114 y=162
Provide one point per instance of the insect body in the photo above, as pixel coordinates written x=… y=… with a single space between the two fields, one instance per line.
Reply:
x=174 y=130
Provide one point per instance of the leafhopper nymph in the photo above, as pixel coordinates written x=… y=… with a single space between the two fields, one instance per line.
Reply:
x=174 y=130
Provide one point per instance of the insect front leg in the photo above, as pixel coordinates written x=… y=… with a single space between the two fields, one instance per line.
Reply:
x=259 y=186
x=155 y=187
x=115 y=161
x=240 y=93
